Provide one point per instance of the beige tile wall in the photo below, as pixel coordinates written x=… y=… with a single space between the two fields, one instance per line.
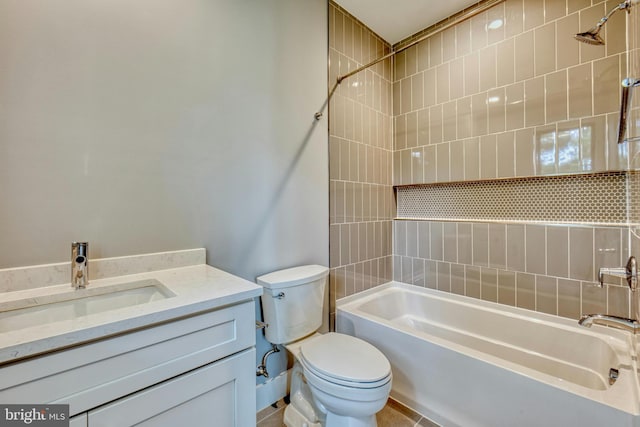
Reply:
x=544 y=267
x=510 y=93
x=360 y=163
x=482 y=101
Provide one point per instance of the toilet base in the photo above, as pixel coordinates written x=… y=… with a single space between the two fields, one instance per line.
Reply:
x=294 y=418
x=334 y=420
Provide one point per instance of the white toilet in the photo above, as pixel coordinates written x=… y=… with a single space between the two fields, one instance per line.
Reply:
x=338 y=380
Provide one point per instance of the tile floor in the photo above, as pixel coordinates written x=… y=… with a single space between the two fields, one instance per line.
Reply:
x=392 y=415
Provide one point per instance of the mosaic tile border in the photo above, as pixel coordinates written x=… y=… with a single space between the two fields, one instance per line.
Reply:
x=603 y=198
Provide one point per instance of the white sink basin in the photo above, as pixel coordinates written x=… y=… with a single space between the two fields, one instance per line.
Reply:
x=28 y=312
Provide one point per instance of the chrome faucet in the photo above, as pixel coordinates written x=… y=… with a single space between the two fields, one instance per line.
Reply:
x=79 y=265
x=630 y=273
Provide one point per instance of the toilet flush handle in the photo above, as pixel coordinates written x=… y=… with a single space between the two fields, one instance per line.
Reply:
x=280 y=295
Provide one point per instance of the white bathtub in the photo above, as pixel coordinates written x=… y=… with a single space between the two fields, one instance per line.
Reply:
x=465 y=362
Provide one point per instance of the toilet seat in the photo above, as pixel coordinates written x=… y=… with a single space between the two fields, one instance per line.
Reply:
x=345 y=360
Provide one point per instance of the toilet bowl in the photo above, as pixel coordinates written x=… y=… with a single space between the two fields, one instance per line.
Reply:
x=337 y=380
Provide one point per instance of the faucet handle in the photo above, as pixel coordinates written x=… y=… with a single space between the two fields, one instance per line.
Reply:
x=629 y=272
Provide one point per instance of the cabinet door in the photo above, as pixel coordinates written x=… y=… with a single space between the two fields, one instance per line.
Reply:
x=220 y=394
x=78 y=421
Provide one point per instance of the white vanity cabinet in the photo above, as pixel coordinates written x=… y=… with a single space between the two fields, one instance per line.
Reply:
x=192 y=371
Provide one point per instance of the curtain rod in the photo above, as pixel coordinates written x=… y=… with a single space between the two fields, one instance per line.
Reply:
x=469 y=14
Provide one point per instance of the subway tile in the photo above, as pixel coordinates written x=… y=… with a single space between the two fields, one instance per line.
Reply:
x=546 y=150
x=489 y=284
x=345 y=239
x=423 y=127
x=569 y=153
x=422 y=51
x=506 y=154
x=515 y=247
x=429 y=95
x=594 y=299
x=405 y=95
x=526 y=291
x=463 y=38
x=417 y=92
x=488 y=166
x=430 y=274
x=557 y=251
x=505 y=62
x=481 y=244
x=436 y=234
x=442 y=162
x=545 y=49
x=464 y=118
x=535 y=248
x=534 y=102
x=405 y=167
x=479 y=114
x=618 y=154
x=417 y=166
x=495 y=23
x=487 y=67
x=354 y=241
x=448 y=44
x=411 y=64
x=334 y=248
x=424 y=240
x=465 y=243
x=507 y=287
x=418 y=272
x=435 y=50
x=497 y=245
x=569 y=298
x=547 y=294
x=450 y=243
x=449 y=121
x=533 y=13
x=412 y=239
x=554 y=9
x=556 y=96
x=407 y=270
x=471 y=159
x=581 y=250
x=615 y=32
x=457 y=279
x=575 y=5
x=442 y=83
x=525 y=152
x=396 y=97
x=525 y=64
x=567 y=47
x=399 y=238
x=444 y=276
x=471 y=73
x=514 y=18
x=456 y=161
x=456 y=79
x=593 y=143
x=618 y=301
x=496 y=100
x=412 y=130
x=608 y=247
x=514 y=106
x=606 y=93
x=478 y=31
x=472 y=283
x=435 y=124
x=429 y=162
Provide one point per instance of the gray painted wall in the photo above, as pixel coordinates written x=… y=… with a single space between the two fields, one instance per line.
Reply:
x=158 y=125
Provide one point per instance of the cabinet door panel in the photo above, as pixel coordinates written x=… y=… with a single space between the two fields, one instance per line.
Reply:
x=219 y=394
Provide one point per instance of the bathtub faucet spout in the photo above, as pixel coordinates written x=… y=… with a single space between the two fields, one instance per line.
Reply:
x=616 y=322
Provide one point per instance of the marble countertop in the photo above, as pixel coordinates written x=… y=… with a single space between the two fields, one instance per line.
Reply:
x=197 y=288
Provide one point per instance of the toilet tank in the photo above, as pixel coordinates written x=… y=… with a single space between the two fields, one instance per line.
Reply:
x=292 y=302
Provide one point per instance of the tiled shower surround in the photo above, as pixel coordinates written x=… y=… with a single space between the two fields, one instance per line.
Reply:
x=360 y=159
x=507 y=95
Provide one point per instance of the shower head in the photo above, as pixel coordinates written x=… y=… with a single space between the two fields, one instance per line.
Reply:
x=591 y=36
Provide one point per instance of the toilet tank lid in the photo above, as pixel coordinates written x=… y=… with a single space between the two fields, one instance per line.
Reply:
x=293 y=276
